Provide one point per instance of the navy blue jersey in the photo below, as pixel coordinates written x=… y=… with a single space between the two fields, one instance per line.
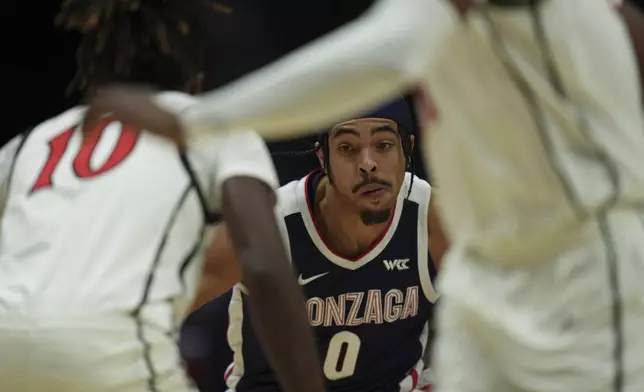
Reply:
x=370 y=314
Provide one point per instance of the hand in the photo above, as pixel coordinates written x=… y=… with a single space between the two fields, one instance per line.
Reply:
x=133 y=105
x=462 y=6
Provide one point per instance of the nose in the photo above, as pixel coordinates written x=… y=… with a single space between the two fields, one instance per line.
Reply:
x=367 y=163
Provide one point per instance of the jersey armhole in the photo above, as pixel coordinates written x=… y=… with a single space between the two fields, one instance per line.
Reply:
x=423 y=249
x=210 y=217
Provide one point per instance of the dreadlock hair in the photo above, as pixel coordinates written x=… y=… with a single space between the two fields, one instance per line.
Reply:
x=144 y=41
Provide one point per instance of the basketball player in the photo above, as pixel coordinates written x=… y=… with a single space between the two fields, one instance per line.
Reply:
x=538 y=153
x=358 y=233
x=101 y=240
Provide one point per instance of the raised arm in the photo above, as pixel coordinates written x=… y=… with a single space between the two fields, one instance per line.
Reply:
x=382 y=53
x=362 y=64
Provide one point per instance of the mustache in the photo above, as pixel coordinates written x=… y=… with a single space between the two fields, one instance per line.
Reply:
x=370 y=181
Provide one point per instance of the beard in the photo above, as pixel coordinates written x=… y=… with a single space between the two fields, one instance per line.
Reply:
x=375 y=217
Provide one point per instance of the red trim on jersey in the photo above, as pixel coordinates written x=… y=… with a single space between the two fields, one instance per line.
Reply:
x=228 y=373
x=414 y=378
x=317 y=229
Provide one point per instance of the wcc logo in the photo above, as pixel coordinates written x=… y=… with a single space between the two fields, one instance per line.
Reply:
x=396 y=264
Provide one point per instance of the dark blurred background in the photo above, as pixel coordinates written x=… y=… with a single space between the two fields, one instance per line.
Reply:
x=38 y=61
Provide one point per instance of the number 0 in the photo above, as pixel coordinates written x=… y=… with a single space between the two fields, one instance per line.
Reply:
x=337 y=365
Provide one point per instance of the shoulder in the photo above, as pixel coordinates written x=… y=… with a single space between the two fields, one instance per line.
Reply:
x=223 y=149
x=218 y=159
x=51 y=126
x=9 y=149
x=421 y=191
x=174 y=101
x=242 y=154
x=8 y=155
x=289 y=196
x=59 y=123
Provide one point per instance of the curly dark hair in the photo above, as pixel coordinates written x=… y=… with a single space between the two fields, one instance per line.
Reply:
x=157 y=42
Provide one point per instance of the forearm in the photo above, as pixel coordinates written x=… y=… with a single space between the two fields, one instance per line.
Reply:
x=277 y=311
x=276 y=304
x=358 y=66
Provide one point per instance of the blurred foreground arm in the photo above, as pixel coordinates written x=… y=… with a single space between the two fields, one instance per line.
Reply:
x=249 y=247
x=276 y=304
x=358 y=66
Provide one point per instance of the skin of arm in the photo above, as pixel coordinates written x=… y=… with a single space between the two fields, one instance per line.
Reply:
x=221 y=269
x=276 y=303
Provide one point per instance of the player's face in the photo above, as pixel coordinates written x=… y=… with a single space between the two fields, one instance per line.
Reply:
x=367 y=162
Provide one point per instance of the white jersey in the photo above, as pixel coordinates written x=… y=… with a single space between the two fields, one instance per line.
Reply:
x=539 y=111
x=115 y=224
x=539 y=127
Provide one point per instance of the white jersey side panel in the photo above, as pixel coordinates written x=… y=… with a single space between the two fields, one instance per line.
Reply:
x=127 y=238
x=540 y=125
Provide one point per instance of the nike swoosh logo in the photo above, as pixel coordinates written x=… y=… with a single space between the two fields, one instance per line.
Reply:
x=303 y=281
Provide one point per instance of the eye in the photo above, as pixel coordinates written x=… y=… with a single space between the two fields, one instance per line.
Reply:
x=385 y=145
x=345 y=149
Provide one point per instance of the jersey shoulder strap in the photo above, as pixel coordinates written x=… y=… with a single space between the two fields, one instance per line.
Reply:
x=417 y=190
x=420 y=193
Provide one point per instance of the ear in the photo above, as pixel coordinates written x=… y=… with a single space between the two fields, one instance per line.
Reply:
x=320 y=156
x=412 y=142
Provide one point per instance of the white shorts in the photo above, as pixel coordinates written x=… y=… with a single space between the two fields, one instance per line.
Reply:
x=81 y=355
x=572 y=324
